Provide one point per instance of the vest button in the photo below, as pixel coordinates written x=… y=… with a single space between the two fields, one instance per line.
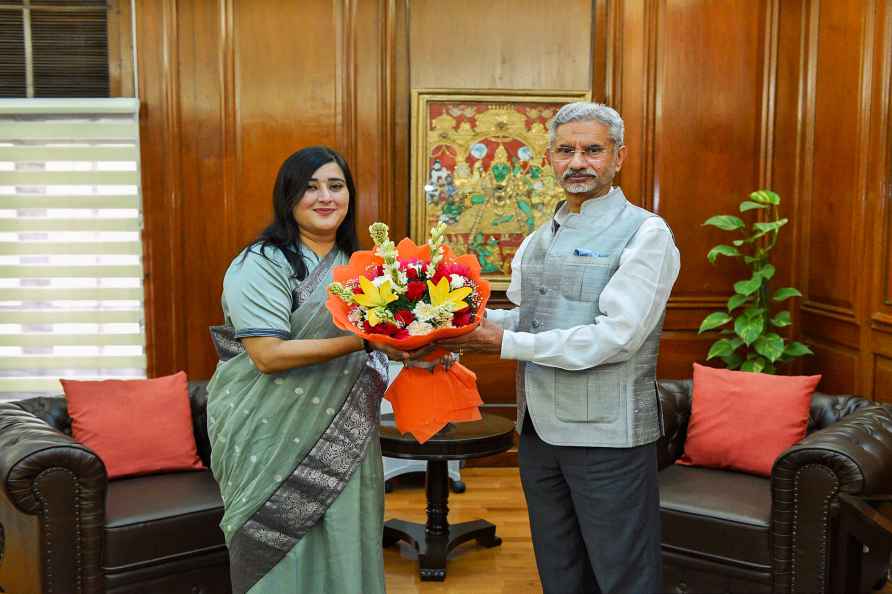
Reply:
x=542 y=290
x=536 y=323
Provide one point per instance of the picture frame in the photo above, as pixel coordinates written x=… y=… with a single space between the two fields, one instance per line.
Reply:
x=480 y=164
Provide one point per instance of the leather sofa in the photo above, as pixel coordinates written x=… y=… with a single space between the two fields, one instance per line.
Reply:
x=66 y=529
x=726 y=531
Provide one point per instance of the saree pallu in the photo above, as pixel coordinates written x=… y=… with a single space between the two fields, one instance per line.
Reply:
x=297 y=458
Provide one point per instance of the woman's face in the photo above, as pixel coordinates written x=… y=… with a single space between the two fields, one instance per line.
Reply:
x=324 y=205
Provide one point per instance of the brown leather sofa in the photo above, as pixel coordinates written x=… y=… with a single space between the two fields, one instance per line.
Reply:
x=729 y=532
x=66 y=529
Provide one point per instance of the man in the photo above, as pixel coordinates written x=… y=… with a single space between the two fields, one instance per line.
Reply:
x=591 y=286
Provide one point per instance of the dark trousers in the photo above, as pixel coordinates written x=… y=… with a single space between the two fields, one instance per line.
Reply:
x=594 y=515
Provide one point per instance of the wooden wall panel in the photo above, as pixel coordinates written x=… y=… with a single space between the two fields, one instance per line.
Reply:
x=708 y=114
x=883 y=379
x=834 y=213
x=845 y=111
x=500 y=44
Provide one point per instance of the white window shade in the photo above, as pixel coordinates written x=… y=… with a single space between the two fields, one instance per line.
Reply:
x=71 y=293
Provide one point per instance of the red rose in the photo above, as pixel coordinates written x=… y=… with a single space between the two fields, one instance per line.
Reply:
x=411 y=273
x=357 y=290
x=448 y=270
x=383 y=328
x=401 y=334
x=374 y=271
x=415 y=290
x=463 y=317
x=404 y=316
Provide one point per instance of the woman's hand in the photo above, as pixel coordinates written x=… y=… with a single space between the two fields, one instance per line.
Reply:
x=392 y=353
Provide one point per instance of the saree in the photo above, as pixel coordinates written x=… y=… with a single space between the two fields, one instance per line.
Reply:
x=296 y=453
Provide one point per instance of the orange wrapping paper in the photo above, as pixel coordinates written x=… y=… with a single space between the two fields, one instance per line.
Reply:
x=423 y=400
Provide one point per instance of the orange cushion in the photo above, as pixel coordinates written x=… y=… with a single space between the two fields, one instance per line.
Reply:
x=134 y=426
x=743 y=420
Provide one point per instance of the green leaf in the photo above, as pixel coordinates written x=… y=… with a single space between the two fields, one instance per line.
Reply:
x=747 y=205
x=785 y=293
x=721 y=250
x=720 y=348
x=736 y=301
x=738 y=242
x=725 y=222
x=714 y=320
x=781 y=320
x=748 y=287
x=765 y=197
x=770 y=346
x=749 y=327
x=772 y=226
x=797 y=349
x=732 y=361
x=766 y=271
x=753 y=365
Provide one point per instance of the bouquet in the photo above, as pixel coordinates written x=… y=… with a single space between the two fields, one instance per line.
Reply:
x=408 y=296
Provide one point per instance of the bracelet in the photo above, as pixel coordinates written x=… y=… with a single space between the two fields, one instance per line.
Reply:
x=367 y=346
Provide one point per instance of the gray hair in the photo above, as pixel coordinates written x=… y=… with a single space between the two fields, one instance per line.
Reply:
x=583 y=111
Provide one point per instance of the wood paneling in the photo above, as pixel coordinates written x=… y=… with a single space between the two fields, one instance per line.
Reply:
x=834 y=212
x=501 y=44
x=719 y=99
x=708 y=114
x=883 y=379
x=843 y=172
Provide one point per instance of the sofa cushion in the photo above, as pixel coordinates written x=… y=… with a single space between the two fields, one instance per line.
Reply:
x=716 y=514
x=136 y=427
x=161 y=518
x=743 y=420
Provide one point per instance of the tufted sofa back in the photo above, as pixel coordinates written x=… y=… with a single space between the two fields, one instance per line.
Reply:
x=53 y=410
x=675 y=396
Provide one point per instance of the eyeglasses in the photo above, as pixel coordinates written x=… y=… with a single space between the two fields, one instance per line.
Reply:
x=566 y=153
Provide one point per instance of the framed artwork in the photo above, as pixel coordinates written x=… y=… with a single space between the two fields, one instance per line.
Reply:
x=480 y=164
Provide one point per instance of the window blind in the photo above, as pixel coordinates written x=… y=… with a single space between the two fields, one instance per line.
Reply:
x=71 y=294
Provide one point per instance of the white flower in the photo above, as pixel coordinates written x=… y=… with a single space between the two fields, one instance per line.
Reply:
x=456 y=281
x=424 y=311
x=418 y=328
x=380 y=280
x=355 y=316
x=443 y=318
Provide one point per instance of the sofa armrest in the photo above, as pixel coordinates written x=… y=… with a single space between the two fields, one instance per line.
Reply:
x=675 y=404
x=61 y=485
x=854 y=456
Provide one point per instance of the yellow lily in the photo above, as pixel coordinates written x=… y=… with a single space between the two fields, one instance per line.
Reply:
x=375 y=299
x=441 y=295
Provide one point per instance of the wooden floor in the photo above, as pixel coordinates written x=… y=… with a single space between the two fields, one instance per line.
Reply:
x=493 y=494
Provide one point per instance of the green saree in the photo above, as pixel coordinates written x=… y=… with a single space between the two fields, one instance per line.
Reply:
x=296 y=453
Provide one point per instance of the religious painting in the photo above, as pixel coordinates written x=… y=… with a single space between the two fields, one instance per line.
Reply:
x=480 y=165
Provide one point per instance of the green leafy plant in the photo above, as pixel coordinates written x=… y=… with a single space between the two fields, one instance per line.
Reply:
x=749 y=342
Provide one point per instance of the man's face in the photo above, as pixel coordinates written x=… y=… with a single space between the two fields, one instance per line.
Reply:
x=584 y=159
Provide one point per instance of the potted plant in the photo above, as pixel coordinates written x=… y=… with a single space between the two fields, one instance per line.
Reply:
x=749 y=341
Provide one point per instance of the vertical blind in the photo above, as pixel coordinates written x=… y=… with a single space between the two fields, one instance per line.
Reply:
x=71 y=295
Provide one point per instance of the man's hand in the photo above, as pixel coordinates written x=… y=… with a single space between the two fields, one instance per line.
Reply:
x=486 y=338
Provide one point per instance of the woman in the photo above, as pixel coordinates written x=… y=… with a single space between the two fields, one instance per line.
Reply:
x=293 y=416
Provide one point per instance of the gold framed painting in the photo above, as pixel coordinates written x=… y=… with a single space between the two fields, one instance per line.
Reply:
x=480 y=164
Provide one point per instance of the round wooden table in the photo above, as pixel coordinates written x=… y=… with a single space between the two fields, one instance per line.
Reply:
x=460 y=441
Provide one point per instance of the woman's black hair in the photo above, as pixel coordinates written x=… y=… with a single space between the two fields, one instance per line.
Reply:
x=291 y=183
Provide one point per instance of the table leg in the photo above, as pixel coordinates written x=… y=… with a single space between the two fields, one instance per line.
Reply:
x=437 y=538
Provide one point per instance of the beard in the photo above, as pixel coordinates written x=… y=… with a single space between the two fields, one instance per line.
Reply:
x=583 y=187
